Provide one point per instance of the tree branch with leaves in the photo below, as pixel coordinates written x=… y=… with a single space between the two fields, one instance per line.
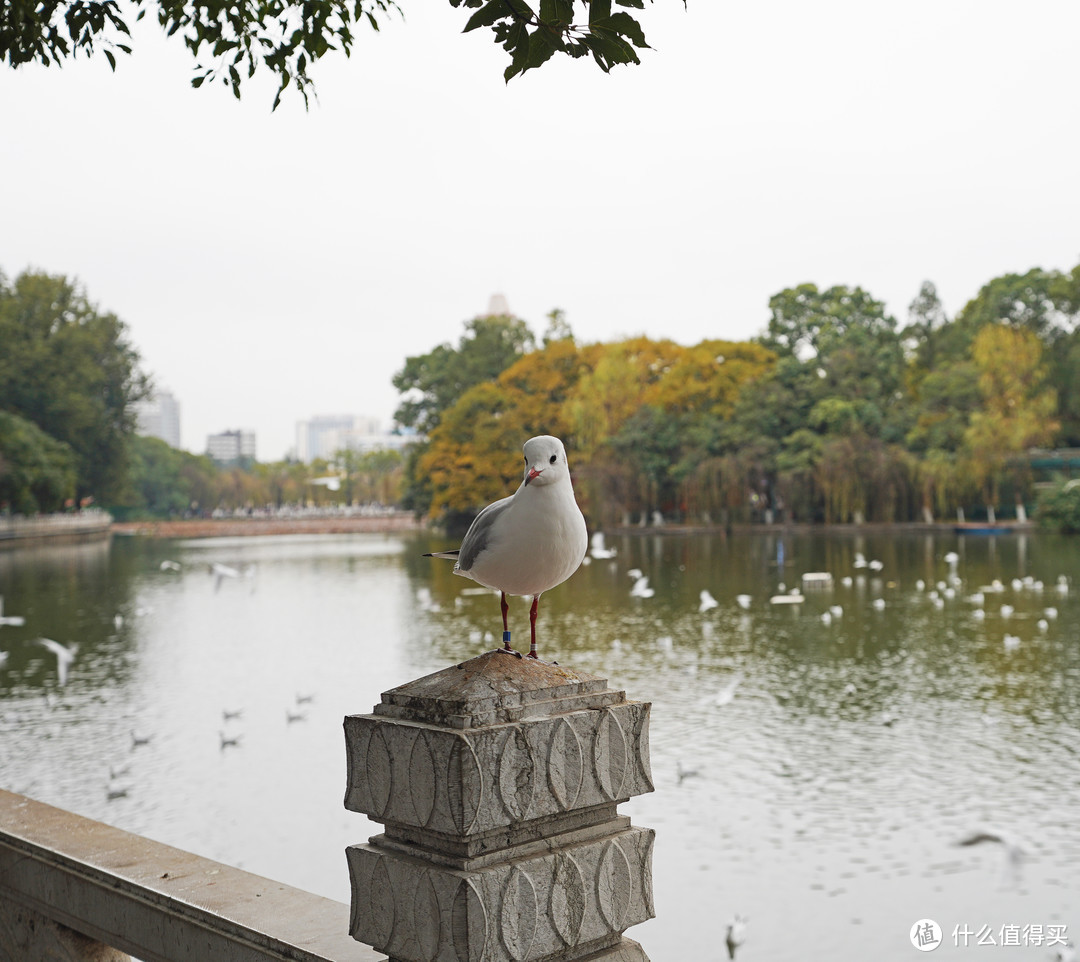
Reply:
x=232 y=39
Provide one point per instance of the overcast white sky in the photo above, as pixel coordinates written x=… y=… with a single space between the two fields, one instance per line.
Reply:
x=271 y=267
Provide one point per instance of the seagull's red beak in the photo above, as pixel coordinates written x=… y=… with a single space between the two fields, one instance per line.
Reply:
x=533 y=473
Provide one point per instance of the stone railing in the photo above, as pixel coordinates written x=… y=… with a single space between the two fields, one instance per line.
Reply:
x=497 y=782
x=77 y=525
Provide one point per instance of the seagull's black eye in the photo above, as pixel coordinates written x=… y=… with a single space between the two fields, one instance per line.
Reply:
x=553 y=459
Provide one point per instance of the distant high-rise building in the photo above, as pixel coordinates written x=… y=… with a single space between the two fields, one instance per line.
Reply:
x=159 y=417
x=325 y=434
x=228 y=447
x=322 y=435
x=498 y=306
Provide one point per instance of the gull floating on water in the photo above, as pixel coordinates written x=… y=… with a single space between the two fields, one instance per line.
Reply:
x=641 y=588
x=15 y=621
x=743 y=601
x=531 y=541
x=685 y=773
x=707 y=601
x=170 y=565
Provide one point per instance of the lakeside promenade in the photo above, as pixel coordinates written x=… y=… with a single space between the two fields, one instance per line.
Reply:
x=243 y=527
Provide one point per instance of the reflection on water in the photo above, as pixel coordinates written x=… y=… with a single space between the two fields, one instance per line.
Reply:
x=830 y=764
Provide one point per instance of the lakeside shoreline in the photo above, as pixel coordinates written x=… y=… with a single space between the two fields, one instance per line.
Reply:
x=254 y=527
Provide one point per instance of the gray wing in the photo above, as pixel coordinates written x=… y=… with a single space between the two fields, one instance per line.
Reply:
x=479 y=534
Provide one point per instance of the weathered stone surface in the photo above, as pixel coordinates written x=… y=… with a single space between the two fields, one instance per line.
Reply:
x=496 y=687
x=577 y=897
x=25 y=935
x=497 y=781
x=470 y=783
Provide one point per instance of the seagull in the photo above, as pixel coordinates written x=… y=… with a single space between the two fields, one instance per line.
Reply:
x=170 y=565
x=707 y=601
x=229 y=714
x=15 y=621
x=228 y=741
x=294 y=716
x=726 y=694
x=64 y=656
x=641 y=588
x=735 y=934
x=221 y=572
x=743 y=601
x=1014 y=852
x=529 y=542
x=684 y=773
x=598 y=549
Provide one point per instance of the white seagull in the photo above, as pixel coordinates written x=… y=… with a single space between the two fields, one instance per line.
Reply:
x=707 y=600
x=529 y=542
x=64 y=656
x=16 y=621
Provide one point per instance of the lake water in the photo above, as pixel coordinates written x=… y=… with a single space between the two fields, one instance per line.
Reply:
x=837 y=765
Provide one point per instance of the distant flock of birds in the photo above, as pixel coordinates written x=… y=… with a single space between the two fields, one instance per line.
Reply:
x=118 y=786
x=937 y=594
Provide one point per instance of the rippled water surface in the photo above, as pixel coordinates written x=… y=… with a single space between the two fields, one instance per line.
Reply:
x=837 y=761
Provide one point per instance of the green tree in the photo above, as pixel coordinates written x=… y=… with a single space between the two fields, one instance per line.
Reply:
x=926 y=320
x=37 y=472
x=230 y=41
x=433 y=382
x=71 y=371
x=165 y=482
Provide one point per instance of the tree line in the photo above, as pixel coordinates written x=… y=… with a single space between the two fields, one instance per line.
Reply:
x=835 y=413
x=70 y=383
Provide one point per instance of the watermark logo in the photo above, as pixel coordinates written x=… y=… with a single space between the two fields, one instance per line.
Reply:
x=925 y=935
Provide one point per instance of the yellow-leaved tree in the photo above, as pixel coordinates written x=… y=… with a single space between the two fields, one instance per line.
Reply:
x=1017 y=410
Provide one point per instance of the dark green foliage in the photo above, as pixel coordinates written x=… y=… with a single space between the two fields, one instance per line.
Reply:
x=70 y=371
x=231 y=40
x=434 y=381
x=532 y=36
x=1059 y=508
x=37 y=472
x=165 y=482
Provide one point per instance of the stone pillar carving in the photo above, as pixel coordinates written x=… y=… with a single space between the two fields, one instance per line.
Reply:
x=497 y=782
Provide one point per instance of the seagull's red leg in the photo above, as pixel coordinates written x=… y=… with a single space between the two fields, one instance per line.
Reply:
x=532 y=627
x=506 y=631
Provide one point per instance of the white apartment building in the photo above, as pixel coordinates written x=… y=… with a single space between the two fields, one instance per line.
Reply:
x=230 y=446
x=158 y=416
x=325 y=434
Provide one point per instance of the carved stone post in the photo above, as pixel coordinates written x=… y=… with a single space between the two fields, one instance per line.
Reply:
x=497 y=782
